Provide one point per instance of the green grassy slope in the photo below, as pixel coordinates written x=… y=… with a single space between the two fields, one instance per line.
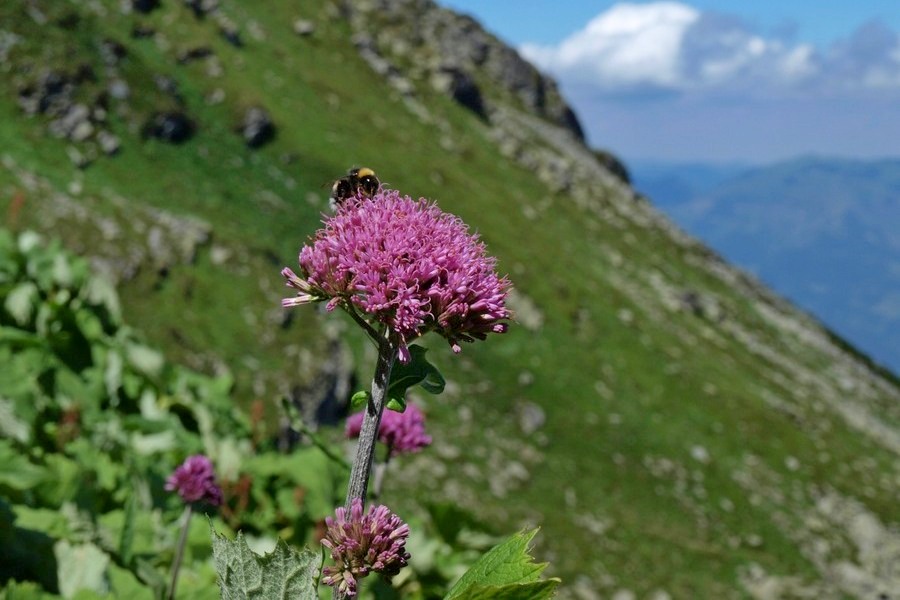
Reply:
x=698 y=454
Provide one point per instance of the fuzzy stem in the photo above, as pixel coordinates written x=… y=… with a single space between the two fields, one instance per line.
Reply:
x=179 y=551
x=368 y=434
x=365 y=452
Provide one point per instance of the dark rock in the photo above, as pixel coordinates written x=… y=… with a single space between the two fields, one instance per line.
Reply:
x=201 y=8
x=112 y=52
x=257 y=127
x=144 y=6
x=192 y=54
x=462 y=88
x=232 y=36
x=173 y=127
x=613 y=164
x=52 y=94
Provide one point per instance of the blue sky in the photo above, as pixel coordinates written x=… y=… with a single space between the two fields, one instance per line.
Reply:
x=721 y=80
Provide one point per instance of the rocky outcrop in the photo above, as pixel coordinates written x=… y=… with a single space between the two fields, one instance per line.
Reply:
x=52 y=94
x=483 y=70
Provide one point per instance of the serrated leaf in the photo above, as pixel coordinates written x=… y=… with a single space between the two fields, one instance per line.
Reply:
x=418 y=371
x=536 y=590
x=283 y=573
x=506 y=565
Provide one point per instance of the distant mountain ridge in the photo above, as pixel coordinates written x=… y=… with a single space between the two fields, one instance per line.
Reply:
x=821 y=231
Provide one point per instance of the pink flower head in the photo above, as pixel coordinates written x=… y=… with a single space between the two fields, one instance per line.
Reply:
x=406 y=264
x=401 y=432
x=195 y=481
x=363 y=543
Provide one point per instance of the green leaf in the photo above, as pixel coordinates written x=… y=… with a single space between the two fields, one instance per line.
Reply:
x=506 y=571
x=537 y=590
x=11 y=426
x=25 y=590
x=101 y=292
x=359 y=399
x=18 y=338
x=126 y=536
x=244 y=575
x=21 y=302
x=81 y=567
x=396 y=404
x=16 y=472
x=418 y=371
x=144 y=359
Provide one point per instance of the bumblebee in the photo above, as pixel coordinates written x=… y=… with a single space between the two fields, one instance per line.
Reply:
x=361 y=181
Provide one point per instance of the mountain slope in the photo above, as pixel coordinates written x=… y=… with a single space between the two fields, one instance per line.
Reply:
x=699 y=434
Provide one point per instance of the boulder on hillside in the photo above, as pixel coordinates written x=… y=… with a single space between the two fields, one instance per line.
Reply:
x=257 y=127
x=173 y=127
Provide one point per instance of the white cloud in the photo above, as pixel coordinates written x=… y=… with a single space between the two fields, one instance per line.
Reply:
x=673 y=47
x=627 y=45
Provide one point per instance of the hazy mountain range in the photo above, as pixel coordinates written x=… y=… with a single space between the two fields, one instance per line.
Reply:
x=821 y=231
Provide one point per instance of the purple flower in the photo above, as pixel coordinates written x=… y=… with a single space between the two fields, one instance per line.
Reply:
x=363 y=543
x=401 y=432
x=195 y=481
x=405 y=264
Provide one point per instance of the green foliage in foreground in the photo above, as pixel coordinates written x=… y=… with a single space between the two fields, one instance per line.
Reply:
x=93 y=422
x=284 y=573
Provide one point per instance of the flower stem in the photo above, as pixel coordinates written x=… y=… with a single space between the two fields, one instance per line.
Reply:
x=179 y=552
x=365 y=452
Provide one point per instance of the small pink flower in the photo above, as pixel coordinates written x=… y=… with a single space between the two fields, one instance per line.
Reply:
x=195 y=481
x=363 y=543
x=405 y=264
x=401 y=432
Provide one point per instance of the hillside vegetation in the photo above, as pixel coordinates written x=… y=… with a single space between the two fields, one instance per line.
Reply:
x=672 y=426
